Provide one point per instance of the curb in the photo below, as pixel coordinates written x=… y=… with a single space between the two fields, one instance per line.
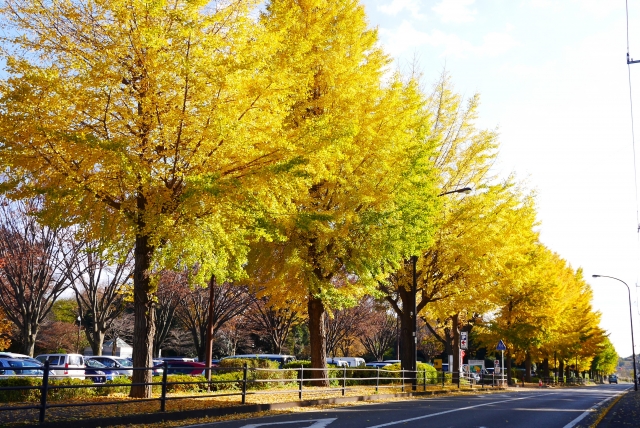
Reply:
x=148 y=418
x=605 y=411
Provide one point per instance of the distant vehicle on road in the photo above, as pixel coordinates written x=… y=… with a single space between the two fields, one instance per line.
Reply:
x=613 y=379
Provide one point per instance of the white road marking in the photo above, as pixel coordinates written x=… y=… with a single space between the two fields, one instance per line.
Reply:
x=319 y=423
x=591 y=410
x=455 y=410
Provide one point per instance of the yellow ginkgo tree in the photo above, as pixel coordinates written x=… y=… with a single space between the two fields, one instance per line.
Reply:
x=370 y=197
x=160 y=122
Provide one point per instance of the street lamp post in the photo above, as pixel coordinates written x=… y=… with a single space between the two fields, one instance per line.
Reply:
x=633 y=346
x=414 y=311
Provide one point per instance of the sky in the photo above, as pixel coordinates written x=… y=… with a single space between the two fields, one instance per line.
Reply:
x=554 y=82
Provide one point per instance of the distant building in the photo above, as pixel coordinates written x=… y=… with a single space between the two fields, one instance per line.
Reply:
x=123 y=349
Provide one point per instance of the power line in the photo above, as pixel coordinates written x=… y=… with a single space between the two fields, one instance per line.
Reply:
x=633 y=138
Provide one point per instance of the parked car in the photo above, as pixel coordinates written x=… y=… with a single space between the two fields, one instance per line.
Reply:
x=13 y=355
x=613 y=379
x=376 y=364
x=98 y=372
x=338 y=362
x=67 y=365
x=120 y=366
x=19 y=367
x=184 y=367
x=351 y=361
x=21 y=357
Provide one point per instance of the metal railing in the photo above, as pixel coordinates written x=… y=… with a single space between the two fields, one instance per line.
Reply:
x=252 y=381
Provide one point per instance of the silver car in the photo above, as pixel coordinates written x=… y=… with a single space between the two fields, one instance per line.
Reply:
x=122 y=366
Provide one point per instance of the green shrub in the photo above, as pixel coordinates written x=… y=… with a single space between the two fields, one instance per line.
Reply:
x=252 y=363
x=226 y=377
x=70 y=393
x=55 y=394
x=297 y=364
x=424 y=370
x=271 y=371
x=20 y=395
x=108 y=389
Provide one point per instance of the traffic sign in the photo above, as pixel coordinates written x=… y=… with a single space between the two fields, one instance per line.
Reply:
x=496 y=363
x=501 y=346
x=464 y=342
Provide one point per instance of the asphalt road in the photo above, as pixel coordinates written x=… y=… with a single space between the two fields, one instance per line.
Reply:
x=548 y=408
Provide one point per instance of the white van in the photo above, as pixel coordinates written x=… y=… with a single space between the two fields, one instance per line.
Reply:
x=338 y=362
x=68 y=365
x=351 y=361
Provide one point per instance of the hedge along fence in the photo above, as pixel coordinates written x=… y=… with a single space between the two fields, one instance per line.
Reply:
x=235 y=377
x=32 y=385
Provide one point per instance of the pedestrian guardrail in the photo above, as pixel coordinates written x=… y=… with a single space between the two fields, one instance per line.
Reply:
x=41 y=394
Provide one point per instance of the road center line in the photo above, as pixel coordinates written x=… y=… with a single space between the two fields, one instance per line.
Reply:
x=456 y=410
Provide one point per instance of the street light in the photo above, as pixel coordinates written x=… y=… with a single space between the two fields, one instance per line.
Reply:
x=414 y=310
x=633 y=346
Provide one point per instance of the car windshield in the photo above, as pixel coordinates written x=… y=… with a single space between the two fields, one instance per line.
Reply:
x=95 y=364
x=124 y=362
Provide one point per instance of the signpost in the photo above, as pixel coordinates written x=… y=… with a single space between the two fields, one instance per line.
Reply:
x=501 y=347
x=464 y=340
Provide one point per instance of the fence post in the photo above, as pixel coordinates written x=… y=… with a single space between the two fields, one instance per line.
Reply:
x=443 y=378
x=377 y=378
x=301 y=379
x=44 y=391
x=344 y=379
x=163 y=396
x=244 y=383
x=402 y=379
x=424 y=380
x=459 y=379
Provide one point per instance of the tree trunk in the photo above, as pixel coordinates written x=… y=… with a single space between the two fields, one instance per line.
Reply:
x=29 y=339
x=561 y=370
x=545 y=367
x=209 y=345
x=144 y=326
x=406 y=329
x=527 y=367
x=96 y=340
x=316 y=311
x=456 y=342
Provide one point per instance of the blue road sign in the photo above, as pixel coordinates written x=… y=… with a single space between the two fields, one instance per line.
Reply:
x=501 y=346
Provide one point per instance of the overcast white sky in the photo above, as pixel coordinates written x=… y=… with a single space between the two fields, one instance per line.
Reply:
x=553 y=80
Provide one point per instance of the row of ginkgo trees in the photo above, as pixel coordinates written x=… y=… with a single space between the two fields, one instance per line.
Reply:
x=264 y=142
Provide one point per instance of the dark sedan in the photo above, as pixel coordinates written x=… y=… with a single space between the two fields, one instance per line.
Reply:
x=98 y=372
x=184 y=367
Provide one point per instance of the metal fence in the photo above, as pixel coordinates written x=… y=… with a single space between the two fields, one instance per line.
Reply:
x=250 y=381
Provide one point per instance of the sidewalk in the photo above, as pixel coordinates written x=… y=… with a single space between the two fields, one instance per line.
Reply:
x=625 y=413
